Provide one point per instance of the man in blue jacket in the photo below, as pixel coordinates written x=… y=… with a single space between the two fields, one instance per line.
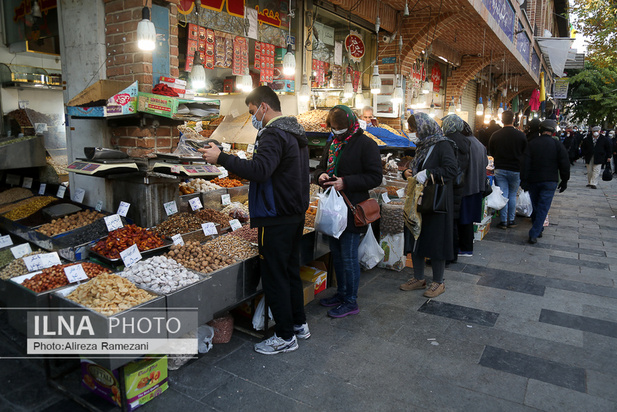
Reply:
x=278 y=199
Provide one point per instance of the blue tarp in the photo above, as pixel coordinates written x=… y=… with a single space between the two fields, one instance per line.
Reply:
x=389 y=138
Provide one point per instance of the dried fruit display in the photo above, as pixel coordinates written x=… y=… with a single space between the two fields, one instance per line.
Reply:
x=54 y=277
x=314 y=121
x=160 y=274
x=227 y=182
x=200 y=185
x=211 y=215
x=377 y=140
x=26 y=207
x=247 y=233
x=200 y=258
x=70 y=222
x=232 y=246
x=179 y=223
x=125 y=237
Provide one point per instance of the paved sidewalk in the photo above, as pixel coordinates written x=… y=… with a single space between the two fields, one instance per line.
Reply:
x=520 y=327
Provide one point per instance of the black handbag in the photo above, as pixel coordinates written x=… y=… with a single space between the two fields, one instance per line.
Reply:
x=607 y=175
x=434 y=198
x=488 y=188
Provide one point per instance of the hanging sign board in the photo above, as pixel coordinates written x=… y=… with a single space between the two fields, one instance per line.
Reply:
x=560 y=88
x=355 y=46
x=436 y=77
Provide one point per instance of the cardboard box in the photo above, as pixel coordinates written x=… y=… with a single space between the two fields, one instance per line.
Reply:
x=316 y=273
x=177 y=85
x=309 y=292
x=120 y=99
x=481 y=231
x=144 y=380
x=165 y=106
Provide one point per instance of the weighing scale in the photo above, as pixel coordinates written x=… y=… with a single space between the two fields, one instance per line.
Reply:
x=192 y=166
x=102 y=167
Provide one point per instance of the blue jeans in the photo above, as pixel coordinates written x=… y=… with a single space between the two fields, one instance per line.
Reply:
x=508 y=181
x=346 y=265
x=541 y=195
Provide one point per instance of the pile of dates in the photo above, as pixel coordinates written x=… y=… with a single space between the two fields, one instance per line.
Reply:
x=125 y=237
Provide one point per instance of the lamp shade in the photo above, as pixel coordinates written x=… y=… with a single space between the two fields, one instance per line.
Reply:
x=348 y=88
x=397 y=96
x=146 y=33
x=289 y=62
x=197 y=77
x=427 y=87
x=375 y=81
x=479 y=108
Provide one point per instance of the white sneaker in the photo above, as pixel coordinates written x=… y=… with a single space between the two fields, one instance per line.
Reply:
x=275 y=345
x=302 y=331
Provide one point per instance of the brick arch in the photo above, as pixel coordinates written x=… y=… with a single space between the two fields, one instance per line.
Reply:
x=521 y=91
x=470 y=66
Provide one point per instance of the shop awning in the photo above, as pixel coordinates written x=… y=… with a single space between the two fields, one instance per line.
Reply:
x=556 y=51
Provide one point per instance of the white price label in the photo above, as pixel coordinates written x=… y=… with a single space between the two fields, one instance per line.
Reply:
x=42 y=188
x=178 y=239
x=79 y=195
x=61 y=191
x=130 y=256
x=20 y=250
x=176 y=169
x=123 y=209
x=362 y=124
x=12 y=180
x=171 y=208
x=5 y=241
x=226 y=147
x=250 y=148
x=42 y=261
x=209 y=229
x=113 y=222
x=225 y=199
x=28 y=182
x=235 y=224
x=385 y=197
x=242 y=155
x=195 y=203
x=401 y=192
x=99 y=206
x=224 y=173
x=234 y=113
x=75 y=273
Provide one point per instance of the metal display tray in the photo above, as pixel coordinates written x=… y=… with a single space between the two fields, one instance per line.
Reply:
x=144 y=254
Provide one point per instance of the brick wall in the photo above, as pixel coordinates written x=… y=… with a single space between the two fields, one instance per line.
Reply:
x=141 y=142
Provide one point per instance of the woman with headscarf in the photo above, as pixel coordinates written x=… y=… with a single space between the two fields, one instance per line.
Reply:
x=351 y=163
x=434 y=162
x=453 y=127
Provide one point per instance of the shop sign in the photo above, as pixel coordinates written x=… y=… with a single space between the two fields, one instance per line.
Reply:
x=503 y=13
x=268 y=16
x=234 y=7
x=560 y=88
x=324 y=33
x=418 y=74
x=355 y=46
x=436 y=77
x=522 y=42
x=388 y=60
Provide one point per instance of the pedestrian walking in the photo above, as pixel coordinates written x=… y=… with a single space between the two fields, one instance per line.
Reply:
x=597 y=150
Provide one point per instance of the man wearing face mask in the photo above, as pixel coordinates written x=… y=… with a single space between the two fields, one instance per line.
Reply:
x=278 y=199
x=596 y=150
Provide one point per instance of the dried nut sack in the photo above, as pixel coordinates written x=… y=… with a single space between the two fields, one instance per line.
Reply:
x=109 y=294
x=160 y=274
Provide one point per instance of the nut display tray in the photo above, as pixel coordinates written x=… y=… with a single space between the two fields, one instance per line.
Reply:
x=144 y=254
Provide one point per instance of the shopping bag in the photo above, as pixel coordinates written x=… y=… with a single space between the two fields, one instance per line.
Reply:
x=369 y=251
x=258 y=316
x=523 y=204
x=331 y=218
x=607 y=175
x=496 y=199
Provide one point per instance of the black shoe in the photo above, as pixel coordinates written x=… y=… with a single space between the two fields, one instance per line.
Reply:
x=587 y=185
x=502 y=225
x=540 y=235
x=593 y=186
x=512 y=224
x=533 y=240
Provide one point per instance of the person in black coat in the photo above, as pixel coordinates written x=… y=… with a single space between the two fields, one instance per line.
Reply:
x=597 y=151
x=434 y=162
x=613 y=138
x=350 y=163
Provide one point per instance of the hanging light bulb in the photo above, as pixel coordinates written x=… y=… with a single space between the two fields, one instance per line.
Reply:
x=36 y=9
x=427 y=87
x=406 y=10
x=451 y=107
x=305 y=91
x=289 y=62
x=146 y=33
x=375 y=81
x=500 y=110
x=397 y=96
x=246 y=83
x=479 y=108
x=377 y=24
x=348 y=87
x=459 y=105
x=198 y=73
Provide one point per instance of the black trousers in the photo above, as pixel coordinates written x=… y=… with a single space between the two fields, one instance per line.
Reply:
x=279 y=266
x=465 y=237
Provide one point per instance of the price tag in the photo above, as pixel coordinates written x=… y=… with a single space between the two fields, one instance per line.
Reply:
x=75 y=273
x=79 y=195
x=224 y=173
x=130 y=256
x=171 y=208
x=20 y=250
x=123 y=209
x=195 y=203
x=235 y=224
x=42 y=188
x=362 y=124
x=209 y=229
x=99 y=206
x=225 y=199
x=199 y=126
x=178 y=239
x=176 y=169
x=401 y=192
x=28 y=182
x=242 y=155
x=250 y=148
x=234 y=113
x=42 y=261
x=5 y=241
x=113 y=222
x=12 y=180
x=385 y=197
x=61 y=191
x=226 y=147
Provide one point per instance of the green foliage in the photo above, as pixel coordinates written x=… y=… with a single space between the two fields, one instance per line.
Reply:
x=592 y=95
x=597 y=20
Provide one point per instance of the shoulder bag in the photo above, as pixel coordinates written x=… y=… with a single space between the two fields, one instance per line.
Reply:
x=364 y=212
x=434 y=198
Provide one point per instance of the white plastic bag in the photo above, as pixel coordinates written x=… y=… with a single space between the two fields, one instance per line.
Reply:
x=369 y=251
x=523 y=204
x=393 y=247
x=258 y=316
x=496 y=200
x=205 y=334
x=331 y=218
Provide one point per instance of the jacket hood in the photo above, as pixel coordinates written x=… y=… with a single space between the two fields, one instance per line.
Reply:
x=290 y=124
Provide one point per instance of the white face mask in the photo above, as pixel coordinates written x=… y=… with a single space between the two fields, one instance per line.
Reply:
x=339 y=132
x=414 y=138
x=596 y=134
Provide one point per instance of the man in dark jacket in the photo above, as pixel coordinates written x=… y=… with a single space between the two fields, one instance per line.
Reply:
x=597 y=150
x=545 y=161
x=613 y=138
x=278 y=199
x=507 y=147
x=485 y=135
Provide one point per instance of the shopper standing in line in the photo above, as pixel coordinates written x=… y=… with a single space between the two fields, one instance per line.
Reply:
x=350 y=163
x=545 y=163
x=613 y=138
x=434 y=161
x=278 y=200
x=596 y=150
x=507 y=146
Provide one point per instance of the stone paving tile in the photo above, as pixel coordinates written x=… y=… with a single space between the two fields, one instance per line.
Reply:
x=579 y=262
x=583 y=323
x=596 y=312
x=461 y=313
x=172 y=400
x=532 y=328
x=549 y=397
x=602 y=385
